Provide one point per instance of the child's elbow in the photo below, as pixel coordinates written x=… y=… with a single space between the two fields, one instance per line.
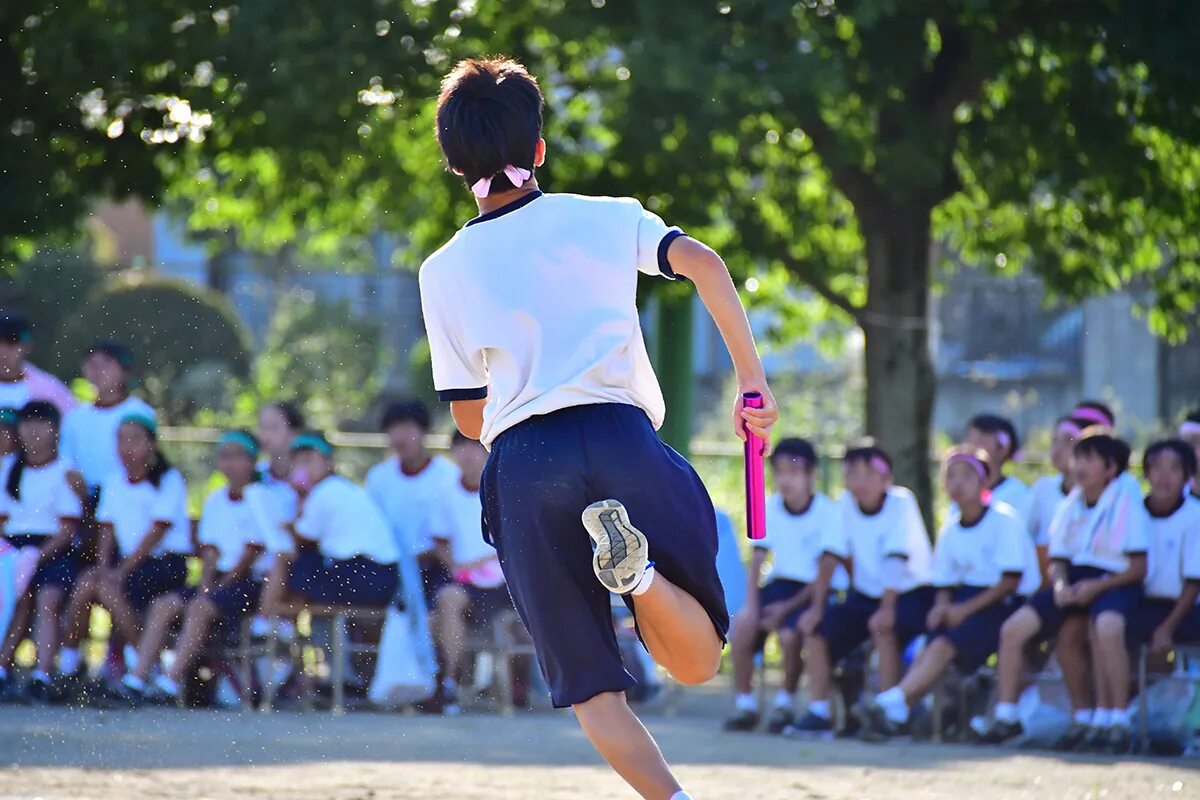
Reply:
x=694 y=260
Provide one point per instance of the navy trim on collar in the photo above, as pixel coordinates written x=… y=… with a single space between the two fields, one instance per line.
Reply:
x=508 y=208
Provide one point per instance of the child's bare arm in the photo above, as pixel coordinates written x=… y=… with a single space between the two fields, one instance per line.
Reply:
x=468 y=416
x=698 y=263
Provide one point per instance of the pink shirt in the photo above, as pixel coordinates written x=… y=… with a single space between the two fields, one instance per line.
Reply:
x=44 y=386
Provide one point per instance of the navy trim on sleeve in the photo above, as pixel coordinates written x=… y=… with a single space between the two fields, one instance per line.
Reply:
x=450 y=395
x=664 y=265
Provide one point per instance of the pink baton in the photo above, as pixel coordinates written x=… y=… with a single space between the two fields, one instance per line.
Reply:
x=756 y=493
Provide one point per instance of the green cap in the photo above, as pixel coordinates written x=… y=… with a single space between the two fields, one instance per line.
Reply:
x=142 y=420
x=312 y=440
x=241 y=439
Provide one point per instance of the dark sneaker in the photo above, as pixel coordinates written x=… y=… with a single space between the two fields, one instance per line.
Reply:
x=810 y=726
x=1119 y=741
x=781 y=719
x=119 y=695
x=12 y=692
x=743 y=721
x=622 y=553
x=998 y=732
x=876 y=726
x=1075 y=738
x=41 y=693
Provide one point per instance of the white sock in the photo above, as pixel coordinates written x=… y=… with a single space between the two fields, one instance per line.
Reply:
x=894 y=704
x=41 y=676
x=820 y=708
x=1119 y=717
x=1007 y=713
x=681 y=796
x=68 y=660
x=644 y=582
x=1102 y=718
x=746 y=702
x=3 y=673
x=1083 y=716
x=134 y=682
x=784 y=699
x=131 y=658
x=167 y=685
x=260 y=626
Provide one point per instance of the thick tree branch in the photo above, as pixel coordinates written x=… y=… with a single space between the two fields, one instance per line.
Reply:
x=807 y=274
x=851 y=179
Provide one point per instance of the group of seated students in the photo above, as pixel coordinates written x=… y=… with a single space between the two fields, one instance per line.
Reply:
x=1082 y=560
x=99 y=517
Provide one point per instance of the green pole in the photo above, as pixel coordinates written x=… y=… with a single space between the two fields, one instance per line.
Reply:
x=673 y=363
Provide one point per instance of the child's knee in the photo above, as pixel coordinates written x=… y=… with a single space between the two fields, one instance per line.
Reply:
x=1110 y=628
x=1018 y=629
x=788 y=638
x=699 y=670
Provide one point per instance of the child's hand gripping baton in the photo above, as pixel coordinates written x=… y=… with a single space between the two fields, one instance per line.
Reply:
x=756 y=497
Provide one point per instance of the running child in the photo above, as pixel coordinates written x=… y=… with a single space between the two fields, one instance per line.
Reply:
x=798 y=520
x=984 y=564
x=997 y=436
x=145 y=537
x=39 y=510
x=1098 y=561
x=531 y=312
x=410 y=488
x=236 y=529
x=883 y=541
x=478 y=593
x=344 y=551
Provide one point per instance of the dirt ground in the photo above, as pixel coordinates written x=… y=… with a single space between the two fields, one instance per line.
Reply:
x=56 y=754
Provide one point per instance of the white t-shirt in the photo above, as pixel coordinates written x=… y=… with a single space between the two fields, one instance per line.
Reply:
x=895 y=530
x=14 y=394
x=133 y=508
x=1015 y=494
x=796 y=541
x=1104 y=535
x=345 y=522
x=229 y=525
x=410 y=501
x=1044 y=499
x=983 y=553
x=46 y=499
x=89 y=437
x=282 y=492
x=458 y=520
x=1174 y=551
x=534 y=306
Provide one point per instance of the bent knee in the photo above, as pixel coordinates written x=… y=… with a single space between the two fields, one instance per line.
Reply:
x=698 y=671
x=1019 y=628
x=1110 y=626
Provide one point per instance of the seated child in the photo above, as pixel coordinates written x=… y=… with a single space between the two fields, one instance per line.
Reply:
x=798 y=519
x=1098 y=562
x=984 y=564
x=882 y=539
x=997 y=436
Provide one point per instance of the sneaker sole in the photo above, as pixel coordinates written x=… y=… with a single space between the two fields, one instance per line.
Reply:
x=622 y=553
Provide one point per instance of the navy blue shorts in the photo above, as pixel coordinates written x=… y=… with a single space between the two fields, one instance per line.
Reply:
x=485 y=604
x=541 y=474
x=435 y=576
x=233 y=601
x=844 y=626
x=154 y=577
x=354 y=581
x=777 y=591
x=978 y=637
x=60 y=571
x=1121 y=600
x=1141 y=623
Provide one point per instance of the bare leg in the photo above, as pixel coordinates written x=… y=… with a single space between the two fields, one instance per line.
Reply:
x=678 y=632
x=888 y=649
x=49 y=603
x=16 y=632
x=159 y=618
x=1014 y=635
x=927 y=669
x=125 y=620
x=274 y=590
x=793 y=664
x=741 y=651
x=1071 y=650
x=450 y=628
x=626 y=745
x=197 y=621
x=1112 y=660
x=79 y=609
x=820 y=671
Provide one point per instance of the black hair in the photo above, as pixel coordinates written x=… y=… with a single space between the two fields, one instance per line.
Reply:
x=117 y=351
x=489 y=115
x=1096 y=405
x=866 y=451
x=159 y=466
x=1103 y=442
x=1187 y=456
x=292 y=415
x=34 y=409
x=796 y=448
x=14 y=327
x=993 y=424
x=1194 y=416
x=406 y=411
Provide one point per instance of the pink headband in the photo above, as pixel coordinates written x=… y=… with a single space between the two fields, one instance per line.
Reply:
x=1189 y=428
x=1092 y=415
x=967 y=458
x=1067 y=426
x=516 y=175
x=880 y=466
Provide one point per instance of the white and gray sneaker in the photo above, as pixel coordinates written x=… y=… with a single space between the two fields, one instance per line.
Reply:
x=622 y=553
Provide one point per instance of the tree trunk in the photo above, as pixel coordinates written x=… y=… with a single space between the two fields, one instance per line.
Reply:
x=673 y=363
x=900 y=380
